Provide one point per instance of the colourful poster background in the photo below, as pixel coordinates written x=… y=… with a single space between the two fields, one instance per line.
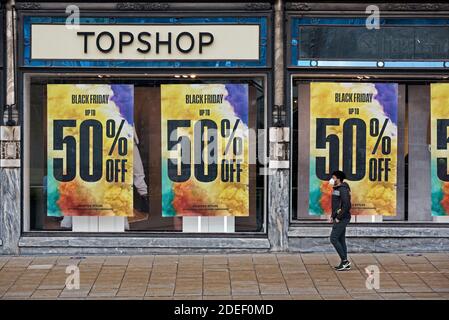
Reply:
x=368 y=112
x=439 y=148
x=190 y=189
x=90 y=150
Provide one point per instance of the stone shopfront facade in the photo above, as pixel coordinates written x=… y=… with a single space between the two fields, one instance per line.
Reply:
x=289 y=58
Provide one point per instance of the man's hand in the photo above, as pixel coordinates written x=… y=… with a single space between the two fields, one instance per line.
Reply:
x=330 y=220
x=336 y=219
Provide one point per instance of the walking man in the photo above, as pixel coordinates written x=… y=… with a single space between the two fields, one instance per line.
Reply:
x=340 y=217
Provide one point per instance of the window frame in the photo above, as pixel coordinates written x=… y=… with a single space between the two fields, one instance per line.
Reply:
x=354 y=75
x=24 y=81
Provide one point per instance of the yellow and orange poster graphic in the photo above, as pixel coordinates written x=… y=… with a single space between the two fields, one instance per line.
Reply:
x=353 y=128
x=90 y=150
x=204 y=150
x=439 y=148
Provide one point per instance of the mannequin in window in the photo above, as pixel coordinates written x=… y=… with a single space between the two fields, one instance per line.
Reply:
x=139 y=184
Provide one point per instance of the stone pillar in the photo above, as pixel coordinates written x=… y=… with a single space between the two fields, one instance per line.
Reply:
x=10 y=175
x=278 y=192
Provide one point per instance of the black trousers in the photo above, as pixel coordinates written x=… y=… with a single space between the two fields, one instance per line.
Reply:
x=338 y=238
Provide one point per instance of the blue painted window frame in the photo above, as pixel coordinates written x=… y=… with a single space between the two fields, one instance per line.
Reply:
x=28 y=21
x=296 y=22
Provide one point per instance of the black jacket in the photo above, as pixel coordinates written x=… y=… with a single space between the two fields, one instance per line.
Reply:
x=341 y=199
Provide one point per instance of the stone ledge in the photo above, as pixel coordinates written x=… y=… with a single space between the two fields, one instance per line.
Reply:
x=372 y=232
x=370 y=245
x=141 y=242
x=415 y=6
x=148 y=6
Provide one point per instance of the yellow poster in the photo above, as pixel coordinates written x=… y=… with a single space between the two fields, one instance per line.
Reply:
x=90 y=150
x=204 y=150
x=439 y=146
x=353 y=128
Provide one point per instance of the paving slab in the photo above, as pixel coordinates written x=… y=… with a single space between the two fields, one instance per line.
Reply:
x=225 y=276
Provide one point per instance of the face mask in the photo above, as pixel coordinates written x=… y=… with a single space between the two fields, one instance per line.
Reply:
x=331 y=181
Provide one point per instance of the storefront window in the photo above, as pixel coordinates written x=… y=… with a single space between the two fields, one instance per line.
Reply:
x=380 y=133
x=156 y=105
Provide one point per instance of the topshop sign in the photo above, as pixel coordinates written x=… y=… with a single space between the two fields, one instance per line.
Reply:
x=146 y=42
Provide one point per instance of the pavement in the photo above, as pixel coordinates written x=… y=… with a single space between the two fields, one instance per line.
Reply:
x=224 y=277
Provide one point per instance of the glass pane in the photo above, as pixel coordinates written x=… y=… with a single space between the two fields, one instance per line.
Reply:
x=148 y=185
x=420 y=192
x=341 y=132
x=387 y=43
